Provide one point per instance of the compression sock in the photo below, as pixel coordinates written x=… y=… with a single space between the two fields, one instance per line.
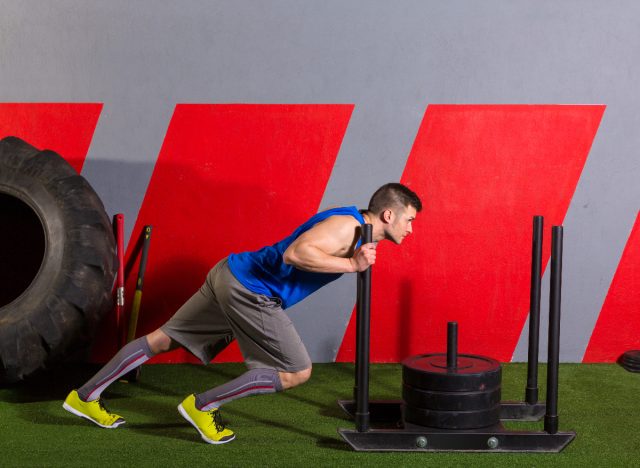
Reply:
x=253 y=382
x=129 y=357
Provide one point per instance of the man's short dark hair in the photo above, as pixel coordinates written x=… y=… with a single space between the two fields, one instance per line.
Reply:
x=393 y=195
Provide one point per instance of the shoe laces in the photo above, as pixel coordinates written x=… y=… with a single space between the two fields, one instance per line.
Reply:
x=217 y=420
x=102 y=406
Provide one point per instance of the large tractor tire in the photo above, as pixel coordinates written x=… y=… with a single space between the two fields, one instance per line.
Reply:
x=57 y=260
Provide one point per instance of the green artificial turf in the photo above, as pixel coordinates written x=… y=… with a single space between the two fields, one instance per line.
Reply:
x=295 y=428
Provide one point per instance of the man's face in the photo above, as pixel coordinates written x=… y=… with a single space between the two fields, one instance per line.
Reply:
x=399 y=225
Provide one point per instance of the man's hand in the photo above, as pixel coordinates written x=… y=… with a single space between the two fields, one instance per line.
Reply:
x=364 y=257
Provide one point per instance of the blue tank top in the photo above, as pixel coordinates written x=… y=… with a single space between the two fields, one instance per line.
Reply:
x=264 y=271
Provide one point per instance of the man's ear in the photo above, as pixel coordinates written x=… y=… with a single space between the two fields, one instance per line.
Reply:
x=387 y=215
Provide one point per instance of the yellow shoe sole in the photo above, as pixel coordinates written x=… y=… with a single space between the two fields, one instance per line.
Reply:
x=82 y=415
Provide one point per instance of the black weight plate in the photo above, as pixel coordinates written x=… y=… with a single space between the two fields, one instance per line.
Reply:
x=630 y=360
x=631 y=367
x=451 y=401
x=631 y=357
x=630 y=364
x=472 y=374
x=452 y=419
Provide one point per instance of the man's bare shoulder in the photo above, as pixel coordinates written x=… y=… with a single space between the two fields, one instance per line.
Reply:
x=340 y=227
x=339 y=221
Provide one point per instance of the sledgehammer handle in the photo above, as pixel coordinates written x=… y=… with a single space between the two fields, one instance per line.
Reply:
x=137 y=297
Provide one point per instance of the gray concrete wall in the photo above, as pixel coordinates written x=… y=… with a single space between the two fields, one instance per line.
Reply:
x=391 y=59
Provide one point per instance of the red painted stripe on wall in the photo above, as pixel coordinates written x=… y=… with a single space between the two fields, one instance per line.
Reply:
x=66 y=128
x=483 y=172
x=229 y=178
x=616 y=330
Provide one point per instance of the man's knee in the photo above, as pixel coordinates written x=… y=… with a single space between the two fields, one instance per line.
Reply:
x=293 y=379
x=160 y=342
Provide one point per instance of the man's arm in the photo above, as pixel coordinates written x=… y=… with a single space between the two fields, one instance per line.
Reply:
x=326 y=248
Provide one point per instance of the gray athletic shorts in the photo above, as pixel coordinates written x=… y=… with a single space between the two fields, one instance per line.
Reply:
x=224 y=309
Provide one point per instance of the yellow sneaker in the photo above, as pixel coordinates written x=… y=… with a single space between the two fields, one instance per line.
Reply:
x=208 y=423
x=94 y=411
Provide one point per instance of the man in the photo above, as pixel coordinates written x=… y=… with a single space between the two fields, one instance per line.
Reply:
x=244 y=297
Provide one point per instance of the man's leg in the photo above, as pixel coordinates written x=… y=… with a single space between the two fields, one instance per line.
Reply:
x=202 y=410
x=252 y=382
x=86 y=402
x=272 y=349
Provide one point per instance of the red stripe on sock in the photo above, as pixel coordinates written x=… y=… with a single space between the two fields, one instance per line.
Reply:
x=262 y=387
x=126 y=364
